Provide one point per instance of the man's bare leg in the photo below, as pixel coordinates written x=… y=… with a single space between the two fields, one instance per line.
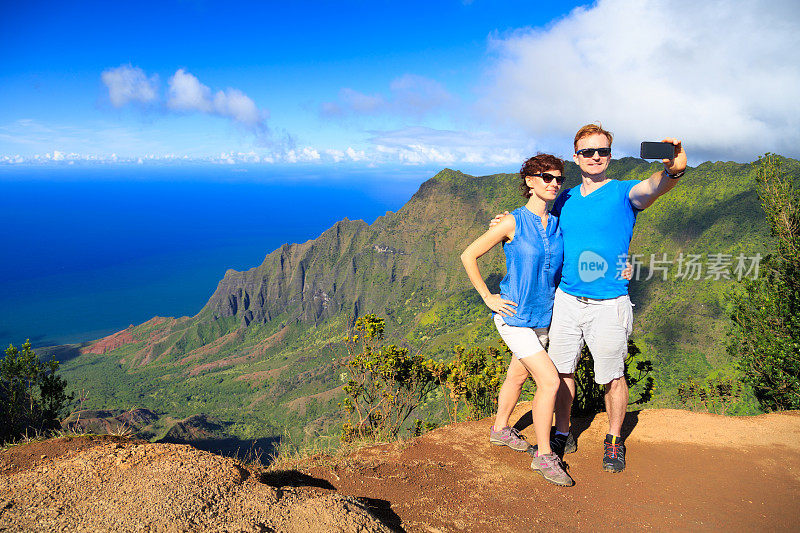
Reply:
x=564 y=399
x=616 y=398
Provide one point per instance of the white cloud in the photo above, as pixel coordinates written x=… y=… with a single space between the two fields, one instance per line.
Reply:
x=418 y=95
x=409 y=94
x=354 y=102
x=127 y=83
x=349 y=154
x=720 y=75
x=420 y=145
x=186 y=93
x=336 y=155
x=236 y=105
x=306 y=154
x=355 y=155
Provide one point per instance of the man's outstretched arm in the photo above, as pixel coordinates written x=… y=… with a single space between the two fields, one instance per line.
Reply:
x=645 y=193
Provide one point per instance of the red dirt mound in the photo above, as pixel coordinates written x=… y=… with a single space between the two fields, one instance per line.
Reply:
x=137 y=486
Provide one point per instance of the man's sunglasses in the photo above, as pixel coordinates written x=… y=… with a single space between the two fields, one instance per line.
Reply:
x=589 y=152
x=547 y=178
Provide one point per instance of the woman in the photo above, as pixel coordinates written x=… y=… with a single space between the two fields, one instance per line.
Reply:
x=523 y=309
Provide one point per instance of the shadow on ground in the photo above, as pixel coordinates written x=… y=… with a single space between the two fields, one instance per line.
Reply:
x=249 y=450
x=62 y=352
x=579 y=424
x=383 y=510
x=282 y=479
x=293 y=478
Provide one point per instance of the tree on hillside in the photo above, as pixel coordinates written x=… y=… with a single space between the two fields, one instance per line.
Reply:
x=32 y=396
x=766 y=310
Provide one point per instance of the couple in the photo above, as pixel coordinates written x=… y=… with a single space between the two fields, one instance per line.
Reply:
x=560 y=287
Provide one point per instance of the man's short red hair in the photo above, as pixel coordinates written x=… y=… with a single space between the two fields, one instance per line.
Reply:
x=591 y=129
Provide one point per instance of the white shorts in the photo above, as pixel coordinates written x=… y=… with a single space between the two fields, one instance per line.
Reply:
x=604 y=325
x=522 y=341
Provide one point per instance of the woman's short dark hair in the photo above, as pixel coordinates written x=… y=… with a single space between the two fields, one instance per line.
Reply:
x=535 y=165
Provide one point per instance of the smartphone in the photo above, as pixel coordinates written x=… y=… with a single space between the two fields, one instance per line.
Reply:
x=652 y=150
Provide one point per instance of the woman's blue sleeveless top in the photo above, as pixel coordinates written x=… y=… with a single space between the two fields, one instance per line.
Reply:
x=533 y=269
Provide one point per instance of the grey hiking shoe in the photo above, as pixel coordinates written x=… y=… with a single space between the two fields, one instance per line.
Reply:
x=613 y=454
x=550 y=467
x=508 y=437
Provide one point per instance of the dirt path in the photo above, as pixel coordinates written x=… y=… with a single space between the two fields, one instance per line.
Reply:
x=686 y=471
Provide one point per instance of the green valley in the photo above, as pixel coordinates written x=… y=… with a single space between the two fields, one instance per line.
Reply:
x=264 y=354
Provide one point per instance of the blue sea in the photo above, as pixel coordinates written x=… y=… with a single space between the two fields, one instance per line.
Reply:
x=88 y=251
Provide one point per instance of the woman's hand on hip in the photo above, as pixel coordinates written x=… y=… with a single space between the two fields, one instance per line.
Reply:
x=500 y=306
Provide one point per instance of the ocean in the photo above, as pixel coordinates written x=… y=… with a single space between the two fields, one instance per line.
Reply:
x=88 y=251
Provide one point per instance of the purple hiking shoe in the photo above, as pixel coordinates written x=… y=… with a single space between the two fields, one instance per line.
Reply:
x=550 y=467
x=510 y=437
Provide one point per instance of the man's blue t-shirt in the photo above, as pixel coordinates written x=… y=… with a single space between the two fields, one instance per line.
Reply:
x=597 y=231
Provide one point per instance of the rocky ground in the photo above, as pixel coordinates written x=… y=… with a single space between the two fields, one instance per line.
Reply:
x=85 y=484
x=686 y=471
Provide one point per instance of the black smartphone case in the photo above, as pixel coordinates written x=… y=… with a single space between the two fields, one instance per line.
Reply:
x=653 y=150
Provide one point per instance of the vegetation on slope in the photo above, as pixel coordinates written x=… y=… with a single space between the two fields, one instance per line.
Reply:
x=266 y=351
x=766 y=312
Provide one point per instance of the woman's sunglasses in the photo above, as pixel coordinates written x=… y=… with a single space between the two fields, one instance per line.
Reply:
x=547 y=178
x=589 y=152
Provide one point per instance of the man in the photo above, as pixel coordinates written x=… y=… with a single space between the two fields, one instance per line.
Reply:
x=591 y=303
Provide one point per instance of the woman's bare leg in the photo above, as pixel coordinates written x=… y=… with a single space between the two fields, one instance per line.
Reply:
x=509 y=392
x=547 y=381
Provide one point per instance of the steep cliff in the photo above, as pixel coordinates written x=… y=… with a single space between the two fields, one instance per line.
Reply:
x=356 y=268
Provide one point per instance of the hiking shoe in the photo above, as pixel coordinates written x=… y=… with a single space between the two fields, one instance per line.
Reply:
x=550 y=467
x=563 y=444
x=508 y=437
x=559 y=444
x=614 y=456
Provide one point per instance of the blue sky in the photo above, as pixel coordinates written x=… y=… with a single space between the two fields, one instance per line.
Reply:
x=470 y=85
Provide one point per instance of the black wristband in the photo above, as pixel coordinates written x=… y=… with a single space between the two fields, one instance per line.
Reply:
x=675 y=176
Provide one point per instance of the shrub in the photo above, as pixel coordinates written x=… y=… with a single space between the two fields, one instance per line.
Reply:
x=765 y=332
x=715 y=396
x=473 y=379
x=32 y=396
x=590 y=397
x=386 y=383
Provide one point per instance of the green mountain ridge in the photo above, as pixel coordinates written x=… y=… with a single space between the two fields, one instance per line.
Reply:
x=265 y=350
